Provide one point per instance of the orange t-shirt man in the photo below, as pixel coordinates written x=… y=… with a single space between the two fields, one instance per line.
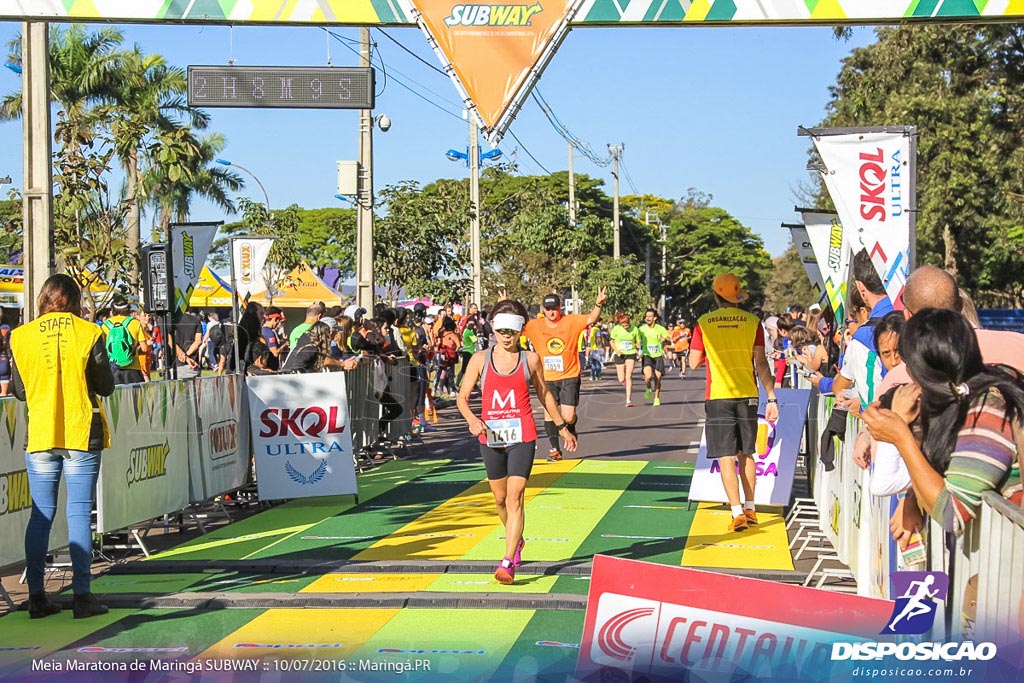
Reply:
x=680 y=338
x=557 y=344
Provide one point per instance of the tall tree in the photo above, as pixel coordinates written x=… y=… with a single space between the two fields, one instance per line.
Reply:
x=962 y=87
x=788 y=283
x=149 y=100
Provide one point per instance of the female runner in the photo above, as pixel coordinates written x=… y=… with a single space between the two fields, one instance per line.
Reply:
x=506 y=428
x=625 y=341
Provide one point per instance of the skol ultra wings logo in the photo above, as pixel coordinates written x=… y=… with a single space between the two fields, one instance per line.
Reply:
x=492 y=15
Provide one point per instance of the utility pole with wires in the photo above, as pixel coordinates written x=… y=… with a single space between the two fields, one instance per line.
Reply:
x=616 y=152
x=572 y=223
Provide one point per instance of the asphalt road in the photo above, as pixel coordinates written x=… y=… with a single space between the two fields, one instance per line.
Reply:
x=607 y=428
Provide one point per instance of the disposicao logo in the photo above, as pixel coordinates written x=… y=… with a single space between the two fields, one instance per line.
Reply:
x=914 y=612
x=492 y=15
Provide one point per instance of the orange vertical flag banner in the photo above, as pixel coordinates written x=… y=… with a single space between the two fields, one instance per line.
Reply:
x=492 y=48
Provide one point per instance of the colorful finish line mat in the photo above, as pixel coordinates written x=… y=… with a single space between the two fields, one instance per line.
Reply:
x=295 y=644
x=444 y=511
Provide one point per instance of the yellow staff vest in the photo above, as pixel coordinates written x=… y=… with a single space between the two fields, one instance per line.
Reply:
x=51 y=353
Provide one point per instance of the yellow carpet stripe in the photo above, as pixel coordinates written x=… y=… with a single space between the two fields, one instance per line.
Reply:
x=451 y=529
x=320 y=629
x=371 y=583
x=711 y=544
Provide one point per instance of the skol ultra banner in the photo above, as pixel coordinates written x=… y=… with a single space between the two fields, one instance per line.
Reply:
x=868 y=178
x=190 y=243
x=832 y=255
x=249 y=255
x=494 y=51
x=807 y=258
x=777 y=447
x=301 y=435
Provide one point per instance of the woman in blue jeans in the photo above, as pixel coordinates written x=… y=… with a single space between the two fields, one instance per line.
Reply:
x=59 y=367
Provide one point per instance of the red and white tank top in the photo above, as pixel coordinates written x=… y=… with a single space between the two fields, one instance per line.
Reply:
x=505 y=403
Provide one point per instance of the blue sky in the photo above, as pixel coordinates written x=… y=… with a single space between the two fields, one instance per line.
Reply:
x=712 y=108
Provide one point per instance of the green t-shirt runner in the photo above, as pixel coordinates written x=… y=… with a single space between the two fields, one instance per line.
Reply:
x=625 y=341
x=652 y=340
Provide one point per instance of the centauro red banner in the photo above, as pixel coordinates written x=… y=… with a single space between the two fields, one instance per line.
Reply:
x=491 y=50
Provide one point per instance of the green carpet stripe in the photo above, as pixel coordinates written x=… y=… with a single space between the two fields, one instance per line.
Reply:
x=350 y=531
x=245 y=537
x=236 y=582
x=653 y=505
x=162 y=628
x=159 y=584
x=41 y=637
x=561 y=516
x=546 y=650
x=460 y=644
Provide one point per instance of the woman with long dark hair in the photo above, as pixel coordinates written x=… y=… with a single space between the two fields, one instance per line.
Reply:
x=60 y=366
x=968 y=411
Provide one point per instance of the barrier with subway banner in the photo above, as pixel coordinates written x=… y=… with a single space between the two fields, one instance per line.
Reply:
x=775 y=458
x=15 y=498
x=145 y=472
x=301 y=437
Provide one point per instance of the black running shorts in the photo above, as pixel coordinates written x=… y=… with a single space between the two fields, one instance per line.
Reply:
x=514 y=461
x=731 y=426
x=657 y=363
x=565 y=391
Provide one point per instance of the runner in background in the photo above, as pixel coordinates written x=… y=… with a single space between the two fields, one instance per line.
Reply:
x=555 y=337
x=653 y=342
x=505 y=427
x=625 y=339
x=681 y=345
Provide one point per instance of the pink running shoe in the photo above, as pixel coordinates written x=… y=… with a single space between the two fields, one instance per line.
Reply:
x=517 y=559
x=506 y=572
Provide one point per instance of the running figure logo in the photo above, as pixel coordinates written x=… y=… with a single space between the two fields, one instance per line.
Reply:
x=915 y=607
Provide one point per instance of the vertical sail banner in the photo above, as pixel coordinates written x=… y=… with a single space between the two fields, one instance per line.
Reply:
x=248 y=256
x=868 y=177
x=495 y=52
x=832 y=253
x=807 y=257
x=190 y=243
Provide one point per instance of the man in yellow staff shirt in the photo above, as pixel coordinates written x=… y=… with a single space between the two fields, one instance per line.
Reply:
x=555 y=338
x=732 y=341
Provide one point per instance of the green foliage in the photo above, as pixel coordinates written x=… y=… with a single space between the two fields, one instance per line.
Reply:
x=704 y=242
x=624 y=282
x=963 y=87
x=90 y=235
x=11 y=236
x=788 y=283
x=422 y=242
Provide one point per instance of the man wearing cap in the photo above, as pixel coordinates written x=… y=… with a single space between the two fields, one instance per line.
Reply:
x=731 y=340
x=277 y=345
x=554 y=338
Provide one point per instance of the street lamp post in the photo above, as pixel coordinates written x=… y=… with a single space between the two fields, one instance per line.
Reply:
x=266 y=199
x=473 y=157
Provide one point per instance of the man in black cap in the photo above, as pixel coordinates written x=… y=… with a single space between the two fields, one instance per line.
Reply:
x=555 y=338
x=125 y=340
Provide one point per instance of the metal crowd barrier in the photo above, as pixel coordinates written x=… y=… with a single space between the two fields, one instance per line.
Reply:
x=990 y=548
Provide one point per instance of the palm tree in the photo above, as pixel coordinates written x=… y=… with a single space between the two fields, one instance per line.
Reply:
x=173 y=180
x=150 y=101
x=84 y=68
